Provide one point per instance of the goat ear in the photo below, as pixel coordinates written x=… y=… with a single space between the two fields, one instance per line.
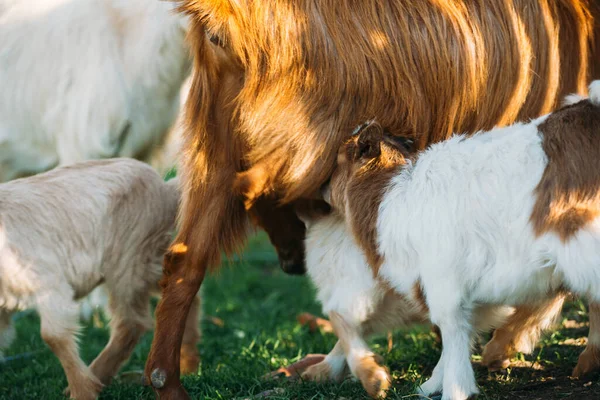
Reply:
x=369 y=142
x=401 y=143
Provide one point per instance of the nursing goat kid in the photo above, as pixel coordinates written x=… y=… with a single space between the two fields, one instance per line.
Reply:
x=87 y=79
x=360 y=304
x=505 y=217
x=63 y=233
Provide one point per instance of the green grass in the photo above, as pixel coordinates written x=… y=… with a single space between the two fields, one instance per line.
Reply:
x=259 y=305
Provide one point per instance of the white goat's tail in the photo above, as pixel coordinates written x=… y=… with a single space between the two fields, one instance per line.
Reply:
x=594 y=92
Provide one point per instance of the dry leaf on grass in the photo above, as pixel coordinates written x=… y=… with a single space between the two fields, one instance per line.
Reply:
x=216 y=321
x=315 y=323
x=296 y=369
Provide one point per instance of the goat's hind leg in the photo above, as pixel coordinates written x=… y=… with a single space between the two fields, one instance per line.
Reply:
x=59 y=325
x=130 y=320
x=589 y=360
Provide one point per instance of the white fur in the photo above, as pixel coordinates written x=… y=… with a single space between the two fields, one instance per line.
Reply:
x=594 y=92
x=458 y=222
x=346 y=286
x=87 y=79
x=572 y=99
x=64 y=232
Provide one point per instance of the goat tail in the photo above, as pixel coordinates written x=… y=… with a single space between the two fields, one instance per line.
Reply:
x=594 y=92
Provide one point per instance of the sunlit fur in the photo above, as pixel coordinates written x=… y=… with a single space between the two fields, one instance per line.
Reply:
x=310 y=70
x=459 y=221
x=282 y=83
x=361 y=304
x=64 y=232
x=87 y=79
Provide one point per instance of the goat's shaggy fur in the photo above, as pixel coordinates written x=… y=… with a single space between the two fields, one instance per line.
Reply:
x=87 y=79
x=508 y=216
x=277 y=86
x=64 y=232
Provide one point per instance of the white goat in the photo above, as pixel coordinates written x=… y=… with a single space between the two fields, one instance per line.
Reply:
x=87 y=79
x=510 y=216
x=64 y=232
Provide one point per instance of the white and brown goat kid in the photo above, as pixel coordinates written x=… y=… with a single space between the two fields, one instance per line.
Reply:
x=505 y=217
x=63 y=233
x=359 y=304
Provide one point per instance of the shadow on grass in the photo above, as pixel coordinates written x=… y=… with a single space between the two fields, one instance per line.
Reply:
x=250 y=328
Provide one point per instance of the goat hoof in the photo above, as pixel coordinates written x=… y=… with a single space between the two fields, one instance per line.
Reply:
x=498 y=365
x=158 y=378
x=374 y=377
x=589 y=362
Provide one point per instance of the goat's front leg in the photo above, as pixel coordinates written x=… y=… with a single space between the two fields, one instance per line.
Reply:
x=330 y=369
x=189 y=356
x=520 y=333
x=453 y=317
x=363 y=363
x=181 y=283
x=433 y=386
x=215 y=221
x=589 y=360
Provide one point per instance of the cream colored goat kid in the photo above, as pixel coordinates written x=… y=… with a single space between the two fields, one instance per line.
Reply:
x=64 y=232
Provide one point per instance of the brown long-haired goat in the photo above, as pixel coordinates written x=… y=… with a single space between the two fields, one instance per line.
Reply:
x=278 y=83
x=63 y=233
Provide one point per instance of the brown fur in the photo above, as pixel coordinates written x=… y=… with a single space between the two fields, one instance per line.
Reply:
x=371 y=372
x=520 y=332
x=419 y=297
x=366 y=163
x=589 y=360
x=292 y=78
x=189 y=360
x=498 y=56
x=568 y=195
